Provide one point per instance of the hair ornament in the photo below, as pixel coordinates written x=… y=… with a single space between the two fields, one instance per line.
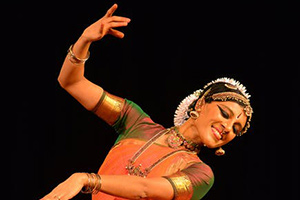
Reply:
x=233 y=83
x=231 y=86
x=181 y=113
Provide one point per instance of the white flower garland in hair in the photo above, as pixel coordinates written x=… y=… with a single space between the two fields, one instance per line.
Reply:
x=181 y=113
x=233 y=82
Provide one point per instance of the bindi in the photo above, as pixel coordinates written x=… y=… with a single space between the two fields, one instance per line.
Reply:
x=239 y=115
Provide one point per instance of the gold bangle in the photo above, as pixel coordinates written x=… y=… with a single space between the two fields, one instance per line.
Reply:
x=74 y=59
x=87 y=188
x=94 y=184
x=99 y=184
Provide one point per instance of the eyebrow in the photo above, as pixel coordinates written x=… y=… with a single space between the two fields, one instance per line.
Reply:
x=231 y=112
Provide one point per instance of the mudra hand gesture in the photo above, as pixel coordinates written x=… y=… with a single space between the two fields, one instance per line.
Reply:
x=105 y=26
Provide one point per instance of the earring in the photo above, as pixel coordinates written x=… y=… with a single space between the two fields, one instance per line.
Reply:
x=194 y=114
x=220 y=152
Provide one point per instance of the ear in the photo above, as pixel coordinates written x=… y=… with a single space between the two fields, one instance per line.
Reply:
x=200 y=102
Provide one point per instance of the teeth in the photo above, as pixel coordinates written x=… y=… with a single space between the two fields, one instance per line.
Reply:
x=217 y=133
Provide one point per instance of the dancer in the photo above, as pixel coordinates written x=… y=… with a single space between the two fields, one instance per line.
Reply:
x=149 y=161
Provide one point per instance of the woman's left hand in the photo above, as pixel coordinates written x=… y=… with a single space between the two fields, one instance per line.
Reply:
x=67 y=189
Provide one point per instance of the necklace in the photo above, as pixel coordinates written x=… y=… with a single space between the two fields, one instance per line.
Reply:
x=176 y=140
x=137 y=170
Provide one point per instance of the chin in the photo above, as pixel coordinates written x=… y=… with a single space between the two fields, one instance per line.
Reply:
x=211 y=146
x=211 y=143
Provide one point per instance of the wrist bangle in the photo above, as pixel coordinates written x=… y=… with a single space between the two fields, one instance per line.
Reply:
x=74 y=59
x=94 y=184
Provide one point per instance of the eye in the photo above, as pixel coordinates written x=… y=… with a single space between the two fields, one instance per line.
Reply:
x=235 y=130
x=223 y=113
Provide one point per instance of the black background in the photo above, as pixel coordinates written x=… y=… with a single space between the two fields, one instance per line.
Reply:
x=170 y=49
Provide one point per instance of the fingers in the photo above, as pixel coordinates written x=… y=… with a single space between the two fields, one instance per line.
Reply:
x=118 y=24
x=111 y=22
x=114 y=22
x=104 y=26
x=111 y=11
x=116 y=33
x=118 y=19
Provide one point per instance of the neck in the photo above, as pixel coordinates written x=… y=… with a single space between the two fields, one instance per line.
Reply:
x=190 y=132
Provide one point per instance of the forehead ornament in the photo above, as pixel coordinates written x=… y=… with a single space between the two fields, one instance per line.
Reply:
x=227 y=96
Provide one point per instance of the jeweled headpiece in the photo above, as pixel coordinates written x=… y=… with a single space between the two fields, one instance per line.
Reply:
x=221 y=89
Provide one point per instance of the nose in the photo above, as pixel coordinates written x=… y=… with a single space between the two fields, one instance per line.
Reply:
x=226 y=128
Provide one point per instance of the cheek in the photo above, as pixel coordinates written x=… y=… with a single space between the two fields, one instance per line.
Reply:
x=212 y=115
x=205 y=121
x=202 y=124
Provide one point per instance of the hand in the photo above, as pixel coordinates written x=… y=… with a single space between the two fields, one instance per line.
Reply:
x=105 y=26
x=67 y=189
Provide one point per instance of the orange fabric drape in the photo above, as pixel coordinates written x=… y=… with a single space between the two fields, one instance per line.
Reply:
x=117 y=159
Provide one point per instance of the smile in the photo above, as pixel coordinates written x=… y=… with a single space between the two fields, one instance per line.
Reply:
x=216 y=133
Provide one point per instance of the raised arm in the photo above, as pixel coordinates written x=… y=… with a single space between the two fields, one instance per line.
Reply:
x=72 y=79
x=71 y=76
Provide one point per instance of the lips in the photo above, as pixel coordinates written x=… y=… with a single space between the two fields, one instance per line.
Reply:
x=216 y=133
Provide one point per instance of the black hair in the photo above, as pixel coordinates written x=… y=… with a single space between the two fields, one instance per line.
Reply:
x=214 y=89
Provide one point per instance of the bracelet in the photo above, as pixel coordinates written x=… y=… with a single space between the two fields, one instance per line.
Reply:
x=94 y=184
x=74 y=59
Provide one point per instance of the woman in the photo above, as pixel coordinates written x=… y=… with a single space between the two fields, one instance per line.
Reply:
x=149 y=161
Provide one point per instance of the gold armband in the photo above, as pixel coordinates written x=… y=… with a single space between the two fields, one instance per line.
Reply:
x=182 y=186
x=109 y=107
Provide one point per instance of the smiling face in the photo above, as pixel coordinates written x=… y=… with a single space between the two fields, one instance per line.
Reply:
x=219 y=122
